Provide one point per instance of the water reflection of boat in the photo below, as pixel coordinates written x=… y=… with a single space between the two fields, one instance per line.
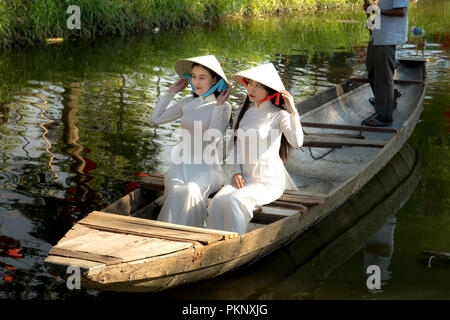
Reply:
x=119 y=252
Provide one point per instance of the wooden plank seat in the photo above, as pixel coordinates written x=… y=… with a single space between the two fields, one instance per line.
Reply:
x=151 y=228
x=156 y=182
x=289 y=203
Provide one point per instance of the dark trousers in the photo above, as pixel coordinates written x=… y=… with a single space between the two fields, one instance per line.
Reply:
x=380 y=65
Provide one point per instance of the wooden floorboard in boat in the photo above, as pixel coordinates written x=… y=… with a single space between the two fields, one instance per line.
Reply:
x=112 y=248
x=150 y=228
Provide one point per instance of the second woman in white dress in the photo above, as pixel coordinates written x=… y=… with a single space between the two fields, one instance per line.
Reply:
x=191 y=179
x=264 y=132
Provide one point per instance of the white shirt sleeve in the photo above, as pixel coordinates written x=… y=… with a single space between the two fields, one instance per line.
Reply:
x=217 y=126
x=163 y=114
x=220 y=117
x=291 y=127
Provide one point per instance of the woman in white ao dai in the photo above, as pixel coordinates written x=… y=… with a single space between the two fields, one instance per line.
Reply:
x=259 y=176
x=191 y=179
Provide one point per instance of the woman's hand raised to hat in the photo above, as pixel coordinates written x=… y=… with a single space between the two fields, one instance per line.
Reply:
x=289 y=103
x=223 y=96
x=179 y=85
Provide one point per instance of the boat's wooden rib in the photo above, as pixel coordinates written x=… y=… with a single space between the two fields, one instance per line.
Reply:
x=396 y=81
x=129 y=203
x=336 y=142
x=307 y=124
x=124 y=253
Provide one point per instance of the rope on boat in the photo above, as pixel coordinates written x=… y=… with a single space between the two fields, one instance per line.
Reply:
x=321 y=156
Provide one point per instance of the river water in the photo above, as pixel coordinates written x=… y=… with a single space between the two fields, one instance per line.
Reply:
x=75 y=136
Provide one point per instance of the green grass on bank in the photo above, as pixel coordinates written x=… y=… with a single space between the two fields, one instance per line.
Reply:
x=28 y=22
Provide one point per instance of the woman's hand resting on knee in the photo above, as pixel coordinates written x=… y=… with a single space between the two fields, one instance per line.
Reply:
x=237 y=181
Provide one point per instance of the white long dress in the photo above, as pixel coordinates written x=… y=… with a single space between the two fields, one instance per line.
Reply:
x=264 y=173
x=188 y=182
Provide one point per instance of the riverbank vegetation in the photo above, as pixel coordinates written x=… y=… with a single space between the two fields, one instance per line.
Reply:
x=29 y=22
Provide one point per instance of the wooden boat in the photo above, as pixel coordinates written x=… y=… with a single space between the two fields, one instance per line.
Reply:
x=122 y=249
x=302 y=265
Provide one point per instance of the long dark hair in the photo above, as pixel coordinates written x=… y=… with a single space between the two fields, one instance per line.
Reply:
x=213 y=74
x=285 y=147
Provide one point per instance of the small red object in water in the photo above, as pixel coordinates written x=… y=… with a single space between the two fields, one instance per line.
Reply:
x=89 y=165
x=15 y=253
x=71 y=190
x=8 y=278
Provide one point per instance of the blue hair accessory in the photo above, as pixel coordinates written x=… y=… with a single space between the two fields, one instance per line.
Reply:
x=219 y=86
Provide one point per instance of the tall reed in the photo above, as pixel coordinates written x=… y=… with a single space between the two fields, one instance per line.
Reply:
x=25 y=22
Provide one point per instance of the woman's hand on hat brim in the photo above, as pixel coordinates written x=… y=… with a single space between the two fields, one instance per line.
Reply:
x=223 y=96
x=289 y=103
x=179 y=85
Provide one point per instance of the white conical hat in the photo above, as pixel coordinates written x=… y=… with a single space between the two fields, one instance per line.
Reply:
x=265 y=74
x=184 y=66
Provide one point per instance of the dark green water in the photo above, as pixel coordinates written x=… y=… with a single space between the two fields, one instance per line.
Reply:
x=75 y=136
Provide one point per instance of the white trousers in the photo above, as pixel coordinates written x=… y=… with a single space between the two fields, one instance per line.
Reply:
x=231 y=209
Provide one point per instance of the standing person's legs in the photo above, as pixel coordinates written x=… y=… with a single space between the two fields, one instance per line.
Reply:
x=369 y=64
x=383 y=67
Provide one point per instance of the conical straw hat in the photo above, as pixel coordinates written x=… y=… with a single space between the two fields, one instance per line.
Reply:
x=184 y=66
x=265 y=74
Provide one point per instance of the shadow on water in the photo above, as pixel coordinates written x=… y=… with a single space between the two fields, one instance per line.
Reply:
x=289 y=273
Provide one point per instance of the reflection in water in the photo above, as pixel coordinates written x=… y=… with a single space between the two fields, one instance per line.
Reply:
x=49 y=145
x=378 y=250
x=3 y=112
x=82 y=165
